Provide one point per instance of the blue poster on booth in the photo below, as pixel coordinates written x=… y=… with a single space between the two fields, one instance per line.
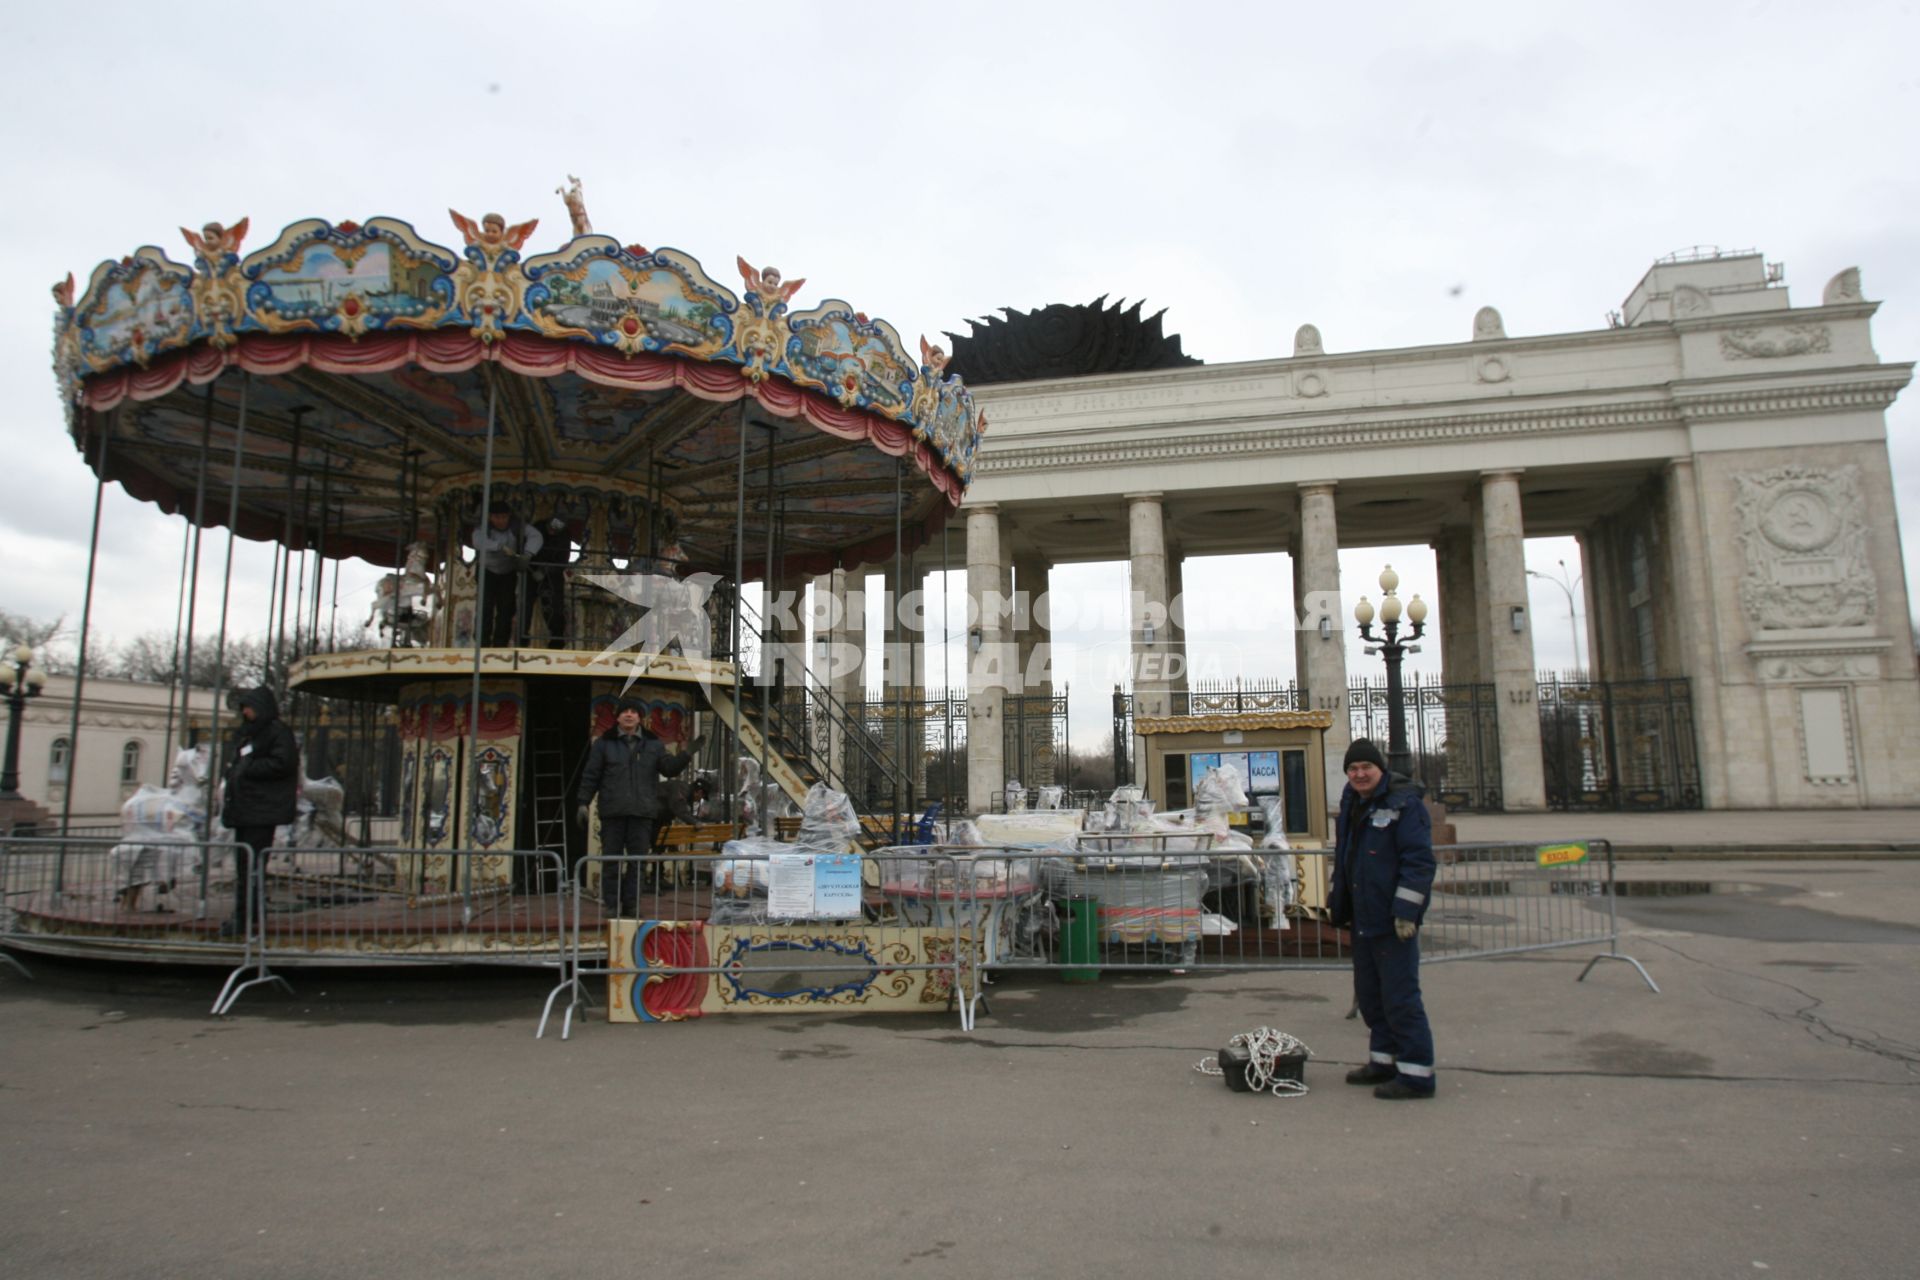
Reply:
x=836 y=886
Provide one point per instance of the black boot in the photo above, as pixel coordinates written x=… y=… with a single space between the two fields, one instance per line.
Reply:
x=1372 y=1073
x=1398 y=1090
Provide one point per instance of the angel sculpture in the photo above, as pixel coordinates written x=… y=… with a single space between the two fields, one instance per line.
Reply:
x=63 y=293
x=492 y=233
x=215 y=242
x=767 y=284
x=576 y=206
x=933 y=360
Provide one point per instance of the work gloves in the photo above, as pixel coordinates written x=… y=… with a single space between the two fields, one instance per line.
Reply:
x=581 y=815
x=1405 y=929
x=693 y=747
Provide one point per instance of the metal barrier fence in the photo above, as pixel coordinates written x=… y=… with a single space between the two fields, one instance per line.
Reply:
x=401 y=906
x=914 y=926
x=1119 y=908
x=111 y=893
x=893 y=927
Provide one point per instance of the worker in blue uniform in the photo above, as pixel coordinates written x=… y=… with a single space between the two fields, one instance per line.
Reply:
x=1382 y=882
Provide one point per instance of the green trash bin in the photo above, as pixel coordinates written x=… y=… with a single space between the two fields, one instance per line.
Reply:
x=1080 y=940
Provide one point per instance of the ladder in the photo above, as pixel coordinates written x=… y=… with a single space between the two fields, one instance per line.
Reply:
x=550 y=793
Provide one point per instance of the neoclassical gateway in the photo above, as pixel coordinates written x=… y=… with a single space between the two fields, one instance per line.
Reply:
x=1720 y=454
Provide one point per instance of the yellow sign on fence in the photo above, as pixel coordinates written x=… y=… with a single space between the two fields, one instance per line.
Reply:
x=1560 y=855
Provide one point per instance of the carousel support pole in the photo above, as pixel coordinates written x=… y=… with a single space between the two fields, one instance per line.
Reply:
x=739 y=575
x=946 y=671
x=479 y=629
x=179 y=610
x=220 y=643
x=80 y=671
x=320 y=558
x=193 y=613
x=900 y=691
x=279 y=657
x=766 y=641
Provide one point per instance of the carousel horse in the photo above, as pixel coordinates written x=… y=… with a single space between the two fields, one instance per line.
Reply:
x=402 y=601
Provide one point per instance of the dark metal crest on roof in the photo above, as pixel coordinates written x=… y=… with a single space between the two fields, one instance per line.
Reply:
x=1064 y=341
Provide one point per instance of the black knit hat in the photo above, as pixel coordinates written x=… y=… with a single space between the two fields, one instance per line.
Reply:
x=1364 y=749
x=634 y=705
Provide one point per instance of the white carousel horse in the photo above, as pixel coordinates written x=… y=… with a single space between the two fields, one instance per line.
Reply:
x=402 y=602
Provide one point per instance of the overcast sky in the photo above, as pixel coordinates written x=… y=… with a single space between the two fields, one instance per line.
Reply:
x=1381 y=172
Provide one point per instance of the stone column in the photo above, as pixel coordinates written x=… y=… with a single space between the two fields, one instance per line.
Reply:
x=988 y=657
x=1460 y=619
x=1323 y=667
x=1691 y=593
x=904 y=636
x=1522 y=772
x=1177 y=620
x=1147 y=609
x=1032 y=640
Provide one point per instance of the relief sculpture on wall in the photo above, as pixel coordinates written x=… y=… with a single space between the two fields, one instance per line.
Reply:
x=1805 y=543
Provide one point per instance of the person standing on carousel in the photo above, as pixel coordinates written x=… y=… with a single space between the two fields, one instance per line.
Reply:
x=623 y=769
x=550 y=567
x=506 y=546
x=261 y=790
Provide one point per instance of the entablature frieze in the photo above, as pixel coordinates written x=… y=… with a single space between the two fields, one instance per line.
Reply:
x=1372 y=430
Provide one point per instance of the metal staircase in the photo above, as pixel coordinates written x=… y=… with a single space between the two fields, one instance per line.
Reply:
x=790 y=728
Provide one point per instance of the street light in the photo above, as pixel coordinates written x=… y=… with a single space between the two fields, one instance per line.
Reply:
x=1573 y=617
x=25 y=682
x=1393 y=649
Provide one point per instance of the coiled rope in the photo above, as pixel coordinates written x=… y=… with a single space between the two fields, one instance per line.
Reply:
x=1264 y=1047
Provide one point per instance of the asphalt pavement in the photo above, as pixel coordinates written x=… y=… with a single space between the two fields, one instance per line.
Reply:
x=1759 y=1116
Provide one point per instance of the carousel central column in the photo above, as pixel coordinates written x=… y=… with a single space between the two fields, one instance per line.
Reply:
x=1323 y=648
x=986 y=664
x=1509 y=631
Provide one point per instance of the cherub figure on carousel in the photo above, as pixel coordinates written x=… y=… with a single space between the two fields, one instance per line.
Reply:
x=576 y=206
x=489 y=285
x=762 y=336
x=219 y=290
x=926 y=391
x=66 y=342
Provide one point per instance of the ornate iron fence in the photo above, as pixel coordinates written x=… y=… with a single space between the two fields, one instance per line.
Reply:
x=927 y=736
x=1035 y=728
x=1453 y=731
x=1619 y=744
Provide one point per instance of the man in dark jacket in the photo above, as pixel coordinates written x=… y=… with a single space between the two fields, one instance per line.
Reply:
x=623 y=768
x=262 y=789
x=1382 y=882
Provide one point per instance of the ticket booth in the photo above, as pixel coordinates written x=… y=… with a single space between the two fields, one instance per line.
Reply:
x=1275 y=753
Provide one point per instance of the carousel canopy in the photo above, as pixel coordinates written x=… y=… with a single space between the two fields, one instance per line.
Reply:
x=349 y=372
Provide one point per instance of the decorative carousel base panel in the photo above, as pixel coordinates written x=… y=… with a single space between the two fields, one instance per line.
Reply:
x=778 y=968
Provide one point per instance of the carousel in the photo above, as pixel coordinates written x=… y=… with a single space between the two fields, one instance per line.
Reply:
x=649 y=438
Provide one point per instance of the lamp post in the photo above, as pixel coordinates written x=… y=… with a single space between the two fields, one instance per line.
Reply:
x=1390 y=646
x=25 y=681
x=1573 y=616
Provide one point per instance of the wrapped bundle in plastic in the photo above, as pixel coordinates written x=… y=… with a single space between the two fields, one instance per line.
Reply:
x=160 y=827
x=741 y=877
x=827 y=820
x=1217 y=794
x=1278 y=884
x=1016 y=796
x=1050 y=797
x=1128 y=809
x=319 y=817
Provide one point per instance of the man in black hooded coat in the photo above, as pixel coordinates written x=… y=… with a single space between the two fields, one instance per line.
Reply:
x=262 y=788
